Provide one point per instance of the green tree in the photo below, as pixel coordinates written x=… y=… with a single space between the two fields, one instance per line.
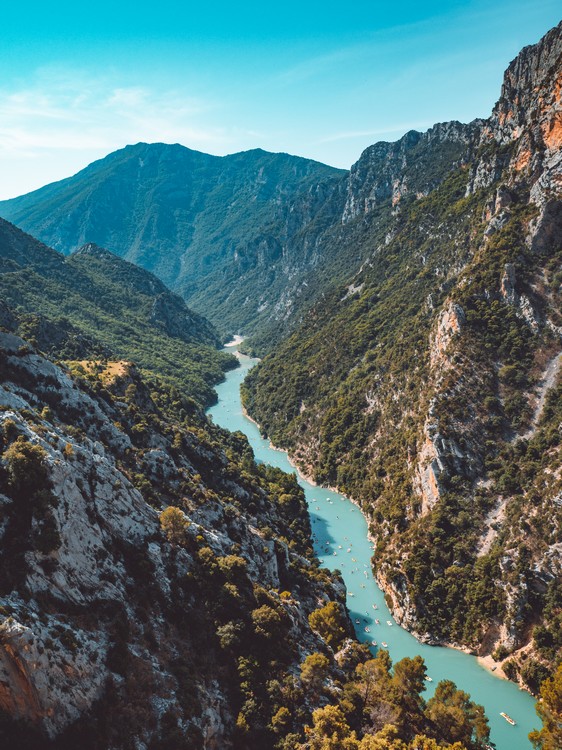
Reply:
x=26 y=465
x=174 y=524
x=329 y=623
x=456 y=717
x=329 y=731
x=267 y=622
x=281 y=720
x=549 y=709
x=314 y=671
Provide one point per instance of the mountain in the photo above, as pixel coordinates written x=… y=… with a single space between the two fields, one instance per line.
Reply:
x=158 y=588
x=222 y=231
x=123 y=308
x=425 y=383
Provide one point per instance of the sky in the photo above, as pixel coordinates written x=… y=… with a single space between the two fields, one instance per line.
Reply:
x=314 y=78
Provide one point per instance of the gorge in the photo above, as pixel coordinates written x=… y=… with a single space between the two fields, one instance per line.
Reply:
x=341 y=542
x=163 y=584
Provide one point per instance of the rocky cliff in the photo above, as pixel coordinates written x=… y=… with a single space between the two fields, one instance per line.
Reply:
x=425 y=386
x=122 y=622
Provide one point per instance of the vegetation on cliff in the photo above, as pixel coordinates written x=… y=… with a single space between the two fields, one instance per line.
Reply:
x=95 y=304
x=425 y=386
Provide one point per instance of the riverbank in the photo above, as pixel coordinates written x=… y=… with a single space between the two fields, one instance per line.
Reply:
x=342 y=541
x=235 y=341
x=487 y=662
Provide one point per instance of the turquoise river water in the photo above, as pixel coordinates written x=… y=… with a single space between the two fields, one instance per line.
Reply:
x=341 y=541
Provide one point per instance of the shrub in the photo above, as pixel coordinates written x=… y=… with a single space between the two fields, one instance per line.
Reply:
x=328 y=622
x=174 y=525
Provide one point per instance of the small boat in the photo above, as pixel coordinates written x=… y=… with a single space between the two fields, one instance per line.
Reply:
x=389 y=623
x=367 y=629
x=377 y=622
x=428 y=678
x=375 y=606
x=357 y=621
x=339 y=546
x=384 y=644
x=373 y=643
x=350 y=594
x=508 y=718
x=349 y=549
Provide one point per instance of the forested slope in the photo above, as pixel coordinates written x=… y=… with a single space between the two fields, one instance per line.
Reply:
x=96 y=303
x=225 y=232
x=426 y=385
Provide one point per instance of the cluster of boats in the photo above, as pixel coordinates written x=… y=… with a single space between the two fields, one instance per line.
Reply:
x=327 y=549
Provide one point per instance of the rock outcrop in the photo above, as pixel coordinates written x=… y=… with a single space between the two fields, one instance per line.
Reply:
x=107 y=615
x=448 y=344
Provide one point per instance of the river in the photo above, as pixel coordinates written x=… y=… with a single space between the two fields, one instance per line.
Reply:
x=341 y=541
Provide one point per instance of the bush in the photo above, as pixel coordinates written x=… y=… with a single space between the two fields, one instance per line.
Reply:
x=174 y=525
x=26 y=464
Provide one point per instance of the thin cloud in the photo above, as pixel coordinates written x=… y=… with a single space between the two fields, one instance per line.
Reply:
x=66 y=113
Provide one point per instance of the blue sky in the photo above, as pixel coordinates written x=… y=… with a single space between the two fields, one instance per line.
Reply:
x=317 y=79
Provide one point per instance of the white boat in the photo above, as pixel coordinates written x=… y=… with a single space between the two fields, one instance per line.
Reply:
x=384 y=644
x=367 y=629
x=373 y=643
x=508 y=718
x=389 y=623
x=428 y=678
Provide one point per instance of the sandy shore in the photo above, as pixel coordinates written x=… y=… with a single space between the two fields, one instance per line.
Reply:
x=236 y=341
x=492 y=666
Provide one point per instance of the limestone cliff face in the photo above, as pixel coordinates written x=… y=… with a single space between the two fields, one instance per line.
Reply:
x=104 y=618
x=523 y=178
x=413 y=165
x=446 y=428
x=525 y=122
x=527 y=118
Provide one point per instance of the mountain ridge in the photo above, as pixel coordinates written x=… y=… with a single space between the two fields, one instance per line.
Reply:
x=428 y=416
x=119 y=305
x=179 y=213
